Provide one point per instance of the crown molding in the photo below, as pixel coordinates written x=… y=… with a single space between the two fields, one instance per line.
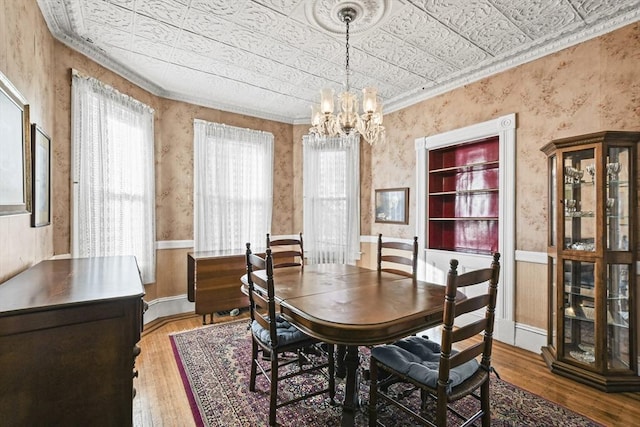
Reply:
x=514 y=60
x=482 y=70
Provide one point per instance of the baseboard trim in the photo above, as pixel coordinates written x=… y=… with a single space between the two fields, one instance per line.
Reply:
x=530 y=338
x=168 y=306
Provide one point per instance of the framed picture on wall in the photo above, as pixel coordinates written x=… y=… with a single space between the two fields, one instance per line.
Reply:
x=392 y=205
x=15 y=150
x=41 y=181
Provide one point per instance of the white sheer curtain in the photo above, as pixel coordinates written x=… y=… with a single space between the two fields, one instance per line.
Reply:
x=332 y=199
x=113 y=175
x=233 y=186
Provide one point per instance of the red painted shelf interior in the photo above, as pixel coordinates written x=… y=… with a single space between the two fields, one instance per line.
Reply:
x=463 y=197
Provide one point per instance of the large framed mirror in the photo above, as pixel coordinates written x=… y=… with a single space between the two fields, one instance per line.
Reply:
x=15 y=146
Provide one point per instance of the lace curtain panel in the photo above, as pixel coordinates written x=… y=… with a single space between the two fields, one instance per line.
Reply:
x=332 y=199
x=233 y=186
x=113 y=175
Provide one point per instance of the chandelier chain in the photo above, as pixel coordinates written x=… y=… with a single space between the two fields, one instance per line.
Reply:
x=326 y=123
x=347 y=56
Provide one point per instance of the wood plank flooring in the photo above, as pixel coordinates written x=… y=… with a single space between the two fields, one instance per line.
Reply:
x=161 y=399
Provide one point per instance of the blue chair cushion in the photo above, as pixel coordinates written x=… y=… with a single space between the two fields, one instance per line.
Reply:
x=287 y=333
x=419 y=359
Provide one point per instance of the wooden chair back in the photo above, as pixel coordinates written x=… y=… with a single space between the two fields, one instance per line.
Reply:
x=454 y=309
x=291 y=253
x=387 y=254
x=262 y=304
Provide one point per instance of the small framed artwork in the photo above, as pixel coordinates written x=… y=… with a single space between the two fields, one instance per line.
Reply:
x=392 y=205
x=41 y=181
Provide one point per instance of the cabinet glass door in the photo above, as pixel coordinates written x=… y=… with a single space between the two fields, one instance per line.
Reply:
x=579 y=311
x=618 y=316
x=579 y=200
x=553 y=196
x=618 y=198
x=553 y=296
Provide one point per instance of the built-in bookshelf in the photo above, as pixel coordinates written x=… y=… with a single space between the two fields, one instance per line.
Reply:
x=463 y=197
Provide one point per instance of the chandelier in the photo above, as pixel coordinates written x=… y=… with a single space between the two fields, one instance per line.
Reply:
x=368 y=124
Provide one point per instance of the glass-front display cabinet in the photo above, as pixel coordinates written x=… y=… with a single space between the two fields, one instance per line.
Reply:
x=592 y=240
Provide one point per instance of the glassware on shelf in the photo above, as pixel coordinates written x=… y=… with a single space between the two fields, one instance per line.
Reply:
x=582 y=246
x=592 y=274
x=591 y=170
x=613 y=169
x=610 y=202
x=573 y=175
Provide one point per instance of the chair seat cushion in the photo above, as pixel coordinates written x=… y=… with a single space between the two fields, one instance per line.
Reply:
x=287 y=333
x=419 y=359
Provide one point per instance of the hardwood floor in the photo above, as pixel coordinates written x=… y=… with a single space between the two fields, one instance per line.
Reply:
x=161 y=399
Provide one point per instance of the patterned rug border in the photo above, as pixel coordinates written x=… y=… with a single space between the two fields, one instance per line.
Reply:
x=193 y=403
x=197 y=410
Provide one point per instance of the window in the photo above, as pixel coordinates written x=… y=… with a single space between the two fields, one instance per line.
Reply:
x=332 y=199
x=233 y=186
x=113 y=175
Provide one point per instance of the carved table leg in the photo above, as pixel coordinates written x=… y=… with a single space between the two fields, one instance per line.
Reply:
x=351 y=398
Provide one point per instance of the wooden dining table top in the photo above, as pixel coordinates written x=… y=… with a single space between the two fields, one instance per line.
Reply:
x=345 y=304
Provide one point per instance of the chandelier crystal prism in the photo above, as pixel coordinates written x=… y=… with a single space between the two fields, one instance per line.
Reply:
x=324 y=122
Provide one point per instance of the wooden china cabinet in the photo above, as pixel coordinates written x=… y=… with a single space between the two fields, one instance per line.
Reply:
x=592 y=319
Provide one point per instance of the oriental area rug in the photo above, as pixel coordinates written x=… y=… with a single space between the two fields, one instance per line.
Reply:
x=214 y=362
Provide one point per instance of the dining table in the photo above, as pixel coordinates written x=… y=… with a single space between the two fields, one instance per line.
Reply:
x=354 y=306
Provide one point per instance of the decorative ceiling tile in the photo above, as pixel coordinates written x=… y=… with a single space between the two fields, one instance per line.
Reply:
x=222 y=8
x=283 y=6
x=156 y=31
x=109 y=14
x=167 y=11
x=434 y=38
x=152 y=67
x=431 y=68
x=537 y=18
x=191 y=42
x=106 y=36
x=257 y=17
x=150 y=48
x=593 y=10
x=497 y=37
x=388 y=48
x=203 y=24
x=129 y=3
x=269 y=58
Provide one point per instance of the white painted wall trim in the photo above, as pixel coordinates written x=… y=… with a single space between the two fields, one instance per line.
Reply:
x=174 y=244
x=532 y=257
x=505 y=128
x=168 y=306
x=530 y=338
x=374 y=239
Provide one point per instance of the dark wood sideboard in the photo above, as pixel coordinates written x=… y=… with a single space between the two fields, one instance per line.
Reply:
x=68 y=339
x=213 y=279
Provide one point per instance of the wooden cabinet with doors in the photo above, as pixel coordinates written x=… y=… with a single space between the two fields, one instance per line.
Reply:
x=213 y=281
x=69 y=330
x=592 y=321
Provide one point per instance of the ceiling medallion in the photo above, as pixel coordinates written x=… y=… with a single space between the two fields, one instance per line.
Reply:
x=368 y=124
x=325 y=14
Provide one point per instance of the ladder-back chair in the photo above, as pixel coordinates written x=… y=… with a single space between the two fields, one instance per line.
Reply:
x=286 y=252
x=388 y=255
x=273 y=336
x=438 y=370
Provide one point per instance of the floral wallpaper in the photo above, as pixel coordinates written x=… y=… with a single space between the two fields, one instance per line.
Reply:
x=589 y=87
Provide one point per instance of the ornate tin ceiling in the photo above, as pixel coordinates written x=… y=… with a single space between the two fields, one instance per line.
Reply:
x=269 y=58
